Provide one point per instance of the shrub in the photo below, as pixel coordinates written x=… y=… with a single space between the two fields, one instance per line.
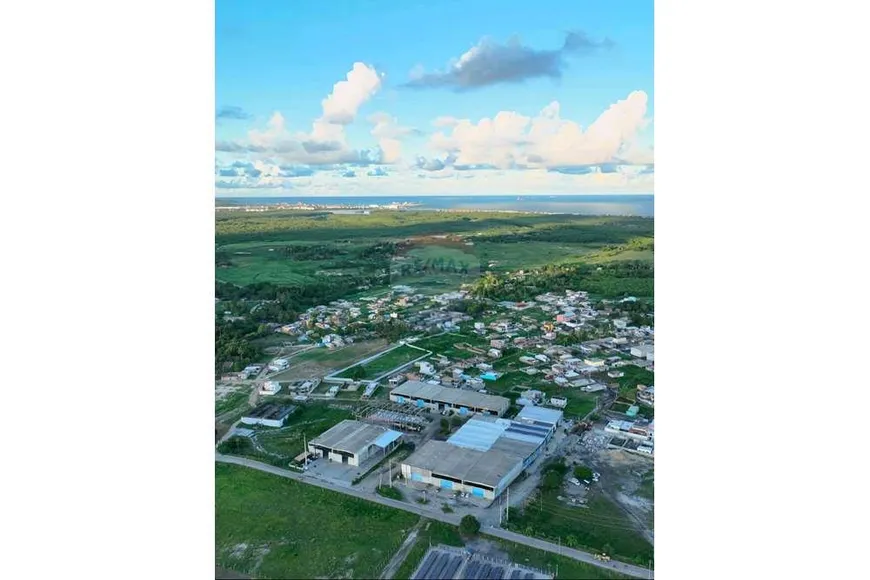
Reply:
x=469 y=525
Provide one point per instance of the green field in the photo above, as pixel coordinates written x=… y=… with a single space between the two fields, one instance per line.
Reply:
x=444 y=344
x=600 y=527
x=386 y=362
x=272 y=527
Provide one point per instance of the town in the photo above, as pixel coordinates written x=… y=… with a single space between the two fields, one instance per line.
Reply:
x=525 y=416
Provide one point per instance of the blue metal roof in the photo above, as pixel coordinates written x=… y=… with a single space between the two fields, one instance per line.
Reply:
x=479 y=435
x=386 y=438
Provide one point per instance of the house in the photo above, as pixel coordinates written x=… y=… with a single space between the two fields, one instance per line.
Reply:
x=542 y=357
x=529 y=360
x=279 y=364
x=532 y=395
x=484 y=366
x=593 y=388
x=426 y=368
x=497 y=343
x=642 y=351
x=558 y=402
x=593 y=362
x=531 y=371
x=396 y=380
x=479 y=326
x=270 y=388
x=494 y=353
x=615 y=374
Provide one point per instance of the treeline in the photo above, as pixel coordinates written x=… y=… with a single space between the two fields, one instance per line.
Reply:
x=322 y=226
x=232 y=345
x=609 y=280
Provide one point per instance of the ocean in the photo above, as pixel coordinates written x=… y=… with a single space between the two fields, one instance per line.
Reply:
x=631 y=205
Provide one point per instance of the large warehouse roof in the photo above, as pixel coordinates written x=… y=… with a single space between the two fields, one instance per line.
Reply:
x=539 y=415
x=470 y=465
x=460 y=397
x=352 y=436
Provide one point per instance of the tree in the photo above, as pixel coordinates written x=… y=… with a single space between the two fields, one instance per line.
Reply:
x=582 y=473
x=469 y=525
x=358 y=373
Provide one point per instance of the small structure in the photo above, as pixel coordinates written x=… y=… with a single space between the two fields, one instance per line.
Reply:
x=270 y=388
x=558 y=402
x=269 y=415
x=632 y=411
x=279 y=364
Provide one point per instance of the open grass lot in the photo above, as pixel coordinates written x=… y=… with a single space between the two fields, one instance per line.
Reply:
x=388 y=361
x=272 y=527
x=321 y=361
x=309 y=420
x=528 y=255
x=444 y=344
x=634 y=376
x=232 y=402
x=600 y=527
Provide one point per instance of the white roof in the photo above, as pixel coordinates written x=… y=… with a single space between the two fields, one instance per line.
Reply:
x=539 y=414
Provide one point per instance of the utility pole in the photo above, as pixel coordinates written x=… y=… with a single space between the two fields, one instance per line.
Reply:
x=391 y=473
x=305 y=451
x=560 y=545
x=508 y=506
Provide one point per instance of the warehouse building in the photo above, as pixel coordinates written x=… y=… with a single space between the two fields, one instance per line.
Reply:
x=440 y=398
x=482 y=458
x=353 y=442
x=269 y=415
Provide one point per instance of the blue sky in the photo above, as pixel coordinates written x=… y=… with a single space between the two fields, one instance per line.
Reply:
x=377 y=97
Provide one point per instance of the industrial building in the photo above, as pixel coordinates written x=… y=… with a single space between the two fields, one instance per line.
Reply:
x=440 y=398
x=269 y=415
x=482 y=458
x=353 y=442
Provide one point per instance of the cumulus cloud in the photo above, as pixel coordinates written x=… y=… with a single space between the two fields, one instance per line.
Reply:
x=490 y=63
x=511 y=140
x=389 y=133
x=341 y=106
x=377 y=172
x=326 y=143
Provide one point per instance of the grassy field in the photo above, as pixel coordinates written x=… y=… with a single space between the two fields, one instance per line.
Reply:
x=600 y=527
x=272 y=527
x=233 y=401
x=386 y=362
x=321 y=361
x=310 y=420
x=444 y=344
x=634 y=376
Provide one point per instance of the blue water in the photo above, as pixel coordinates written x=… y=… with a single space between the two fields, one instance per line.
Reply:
x=635 y=205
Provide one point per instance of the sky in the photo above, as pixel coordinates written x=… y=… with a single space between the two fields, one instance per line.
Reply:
x=377 y=97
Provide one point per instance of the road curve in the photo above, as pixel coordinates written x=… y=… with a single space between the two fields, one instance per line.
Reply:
x=627 y=569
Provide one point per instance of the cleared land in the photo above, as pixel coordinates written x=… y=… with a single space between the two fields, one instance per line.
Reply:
x=384 y=363
x=273 y=527
x=321 y=361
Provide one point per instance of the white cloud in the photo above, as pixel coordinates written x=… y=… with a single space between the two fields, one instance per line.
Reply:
x=341 y=106
x=510 y=139
x=326 y=143
x=389 y=133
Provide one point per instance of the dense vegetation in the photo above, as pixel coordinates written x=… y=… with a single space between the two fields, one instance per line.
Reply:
x=610 y=280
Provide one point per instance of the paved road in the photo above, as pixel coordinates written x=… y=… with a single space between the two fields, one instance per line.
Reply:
x=627 y=569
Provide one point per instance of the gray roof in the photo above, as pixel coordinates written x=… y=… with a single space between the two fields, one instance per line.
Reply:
x=350 y=436
x=469 y=465
x=460 y=397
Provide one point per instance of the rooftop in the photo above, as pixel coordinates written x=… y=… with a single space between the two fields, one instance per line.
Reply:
x=470 y=465
x=418 y=390
x=271 y=411
x=539 y=415
x=354 y=436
